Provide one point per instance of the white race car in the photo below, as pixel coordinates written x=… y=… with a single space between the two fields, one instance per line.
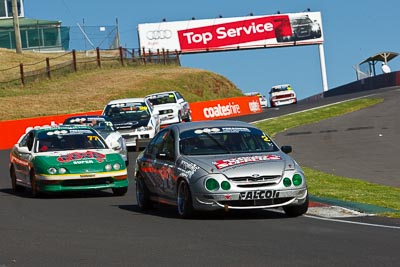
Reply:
x=171 y=105
x=134 y=118
x=282 y=94
x=262 y=98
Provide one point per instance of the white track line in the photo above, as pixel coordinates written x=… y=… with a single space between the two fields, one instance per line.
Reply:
x=351 y=222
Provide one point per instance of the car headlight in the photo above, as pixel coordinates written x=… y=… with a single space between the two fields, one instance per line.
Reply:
x=108 y=167
x=296 y=180
x=52 y=170
x=117 y=166
x=212 y=184
x=315 y=27
x=144 y=128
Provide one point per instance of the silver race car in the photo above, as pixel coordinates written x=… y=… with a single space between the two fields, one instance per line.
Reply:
x=219 y=164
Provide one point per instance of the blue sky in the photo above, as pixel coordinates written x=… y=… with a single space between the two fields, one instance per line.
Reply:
x=353 y=31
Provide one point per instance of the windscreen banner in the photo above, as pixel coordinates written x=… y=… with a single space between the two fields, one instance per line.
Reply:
x=221 y=34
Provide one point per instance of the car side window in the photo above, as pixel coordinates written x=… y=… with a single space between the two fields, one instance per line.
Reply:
x=179 y=96
x=29 y=142
x=155 y=145
x=168 y=147
x=149 y=106
x=24 y=140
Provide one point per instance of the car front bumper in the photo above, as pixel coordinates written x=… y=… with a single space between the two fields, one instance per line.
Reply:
x=284 y=102
x=169 y=119
x=82 y=181
x=237 y=200
x=132 y=137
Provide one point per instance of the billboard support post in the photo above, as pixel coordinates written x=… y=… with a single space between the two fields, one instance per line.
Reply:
x=323 y=67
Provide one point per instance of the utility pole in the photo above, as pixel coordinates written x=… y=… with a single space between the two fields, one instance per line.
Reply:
x=18 y=45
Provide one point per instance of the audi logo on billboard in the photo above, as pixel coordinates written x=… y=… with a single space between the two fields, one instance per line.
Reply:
x=158 y=34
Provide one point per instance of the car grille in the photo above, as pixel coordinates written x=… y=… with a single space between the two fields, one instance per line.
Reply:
x=166 y=111
x=85 y=182
x=249 y=181
x=255 y=202
x=283 y=96
x=132 y=137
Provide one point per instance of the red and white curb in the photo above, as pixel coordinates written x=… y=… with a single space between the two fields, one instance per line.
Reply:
x=329 y=211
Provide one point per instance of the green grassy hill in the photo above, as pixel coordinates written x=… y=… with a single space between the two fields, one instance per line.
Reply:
x=91 y=89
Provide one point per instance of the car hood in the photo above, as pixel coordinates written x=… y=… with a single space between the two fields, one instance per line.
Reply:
x=244 y=164
x=76 y=160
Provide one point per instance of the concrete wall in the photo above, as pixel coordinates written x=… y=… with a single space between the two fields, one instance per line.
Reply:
x=371 y=83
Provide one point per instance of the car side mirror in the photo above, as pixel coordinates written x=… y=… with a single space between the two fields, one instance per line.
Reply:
x=115 y=145
x=286 y=149
x=23 y=150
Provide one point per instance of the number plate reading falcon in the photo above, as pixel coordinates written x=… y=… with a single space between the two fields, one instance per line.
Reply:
x=259 y=194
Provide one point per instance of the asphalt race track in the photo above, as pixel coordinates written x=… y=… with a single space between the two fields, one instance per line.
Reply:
x=363 y=144
x=98 y=229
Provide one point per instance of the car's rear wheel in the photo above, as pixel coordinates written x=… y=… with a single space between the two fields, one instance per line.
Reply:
x=184 y=200
x=15 y=187
x=142 y=195
x=120 y=191
x=294 y=211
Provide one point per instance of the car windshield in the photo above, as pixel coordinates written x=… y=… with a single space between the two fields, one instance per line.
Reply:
x=281 y=88
x=130 y=111
x=302 y=20
x=225 y=140
x=162 y=99
x=98 y=123
x=68 y=140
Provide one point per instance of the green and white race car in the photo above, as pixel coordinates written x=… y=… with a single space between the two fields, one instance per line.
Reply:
x=66 y=158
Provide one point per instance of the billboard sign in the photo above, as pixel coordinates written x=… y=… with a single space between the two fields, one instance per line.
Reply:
x=222 y=34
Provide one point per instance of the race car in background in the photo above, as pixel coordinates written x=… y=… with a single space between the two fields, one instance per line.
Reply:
x=282 y=94
x=134 y=118
x=172 y=107
x=262 y=98
x=106 y=129
x=62 y=158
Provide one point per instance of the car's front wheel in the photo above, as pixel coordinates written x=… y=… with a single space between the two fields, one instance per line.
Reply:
x=294 y=211
x=120 y=191
x=184 y=200
x=34 y=189
x=189 y=117
x=142 y=195
x=15 y=187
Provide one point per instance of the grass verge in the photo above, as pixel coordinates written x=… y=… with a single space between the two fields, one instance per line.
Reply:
x=322 y=184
